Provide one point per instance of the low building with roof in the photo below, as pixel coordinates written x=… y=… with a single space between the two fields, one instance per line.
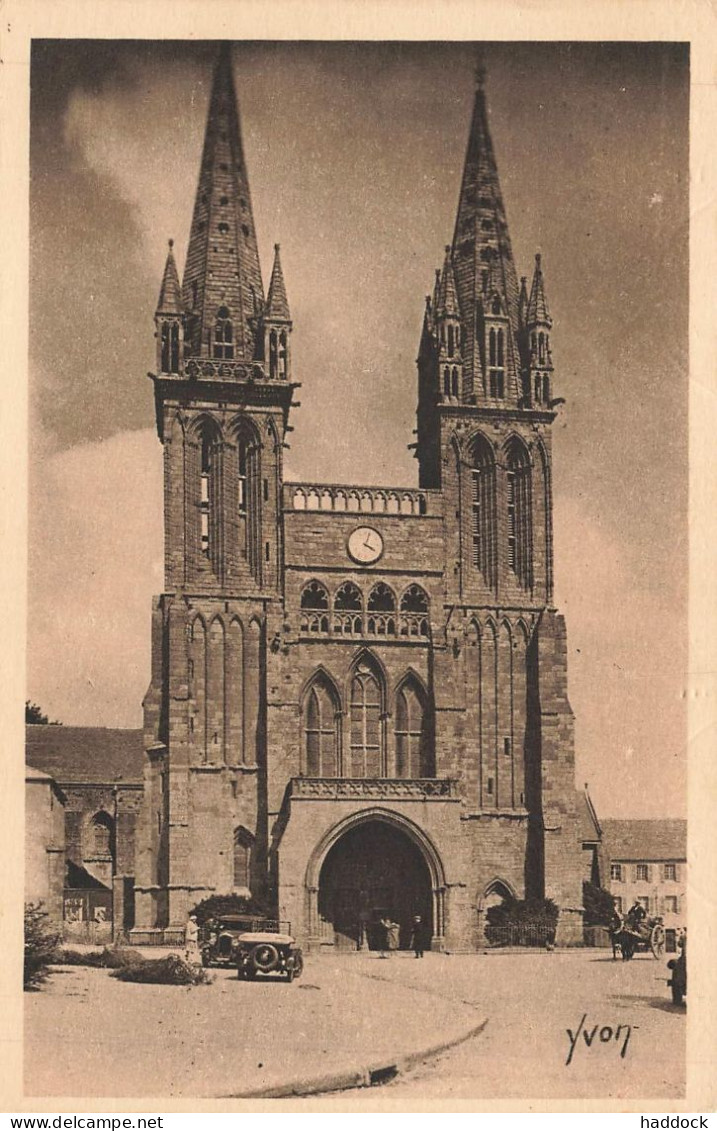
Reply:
x=44 y=841
x=648 y=863
x=99 y=772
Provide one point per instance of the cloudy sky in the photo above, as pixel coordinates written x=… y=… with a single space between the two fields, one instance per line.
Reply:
x=355 y=153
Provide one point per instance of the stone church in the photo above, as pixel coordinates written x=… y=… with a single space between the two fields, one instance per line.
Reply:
x=358 y=701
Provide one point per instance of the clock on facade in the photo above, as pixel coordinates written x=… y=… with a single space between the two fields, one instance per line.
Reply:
x=365 y=545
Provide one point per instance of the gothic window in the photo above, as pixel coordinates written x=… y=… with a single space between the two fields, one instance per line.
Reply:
x=446 y=382
x=282 y=354
x=541 y=348
x=273 y=354
x=348 y=609
x=546 y=388
x=242 y=493
x=450 y=341
x=410 y=733
x=381 y=620
x=204 y=493
x=454 y=389
x=496 y=363
x=314 y=608
x=101 y=841
x=537 y=387
x=223 y=346
x=483 y=510
x=518 y=492
x=413 y=619
x=367 y=757
x=243 y=845
x=321 y=731
x=170 y=347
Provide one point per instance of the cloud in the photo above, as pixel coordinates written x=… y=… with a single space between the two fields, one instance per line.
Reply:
x=95 y=560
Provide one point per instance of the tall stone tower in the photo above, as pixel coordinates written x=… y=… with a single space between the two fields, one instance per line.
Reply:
x=358 y=703
x=222 y=395
x=485 y=411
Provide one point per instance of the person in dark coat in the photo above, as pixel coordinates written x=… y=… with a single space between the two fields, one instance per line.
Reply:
x=418 y=936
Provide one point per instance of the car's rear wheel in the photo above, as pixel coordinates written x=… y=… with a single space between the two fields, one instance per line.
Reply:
x=265 y=958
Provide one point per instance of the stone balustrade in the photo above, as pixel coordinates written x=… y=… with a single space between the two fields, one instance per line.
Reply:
x=333 y=789
x=355 y=500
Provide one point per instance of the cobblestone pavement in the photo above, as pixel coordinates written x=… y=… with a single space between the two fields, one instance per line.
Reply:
x=531 y=1000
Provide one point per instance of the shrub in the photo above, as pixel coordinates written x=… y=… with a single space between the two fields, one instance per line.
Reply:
x=169 y=971
x=111 y=958
x=599 y=905
x=522 y=922
x=40 y=946
x=215 y=906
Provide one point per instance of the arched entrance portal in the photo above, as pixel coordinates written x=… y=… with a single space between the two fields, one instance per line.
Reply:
x=373 y=870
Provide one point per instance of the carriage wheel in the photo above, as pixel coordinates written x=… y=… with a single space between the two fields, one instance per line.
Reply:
x=657 y=941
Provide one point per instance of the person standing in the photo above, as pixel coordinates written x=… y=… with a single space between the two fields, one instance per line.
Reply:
x=418 y=936
x=393 y=934
x=191 y=942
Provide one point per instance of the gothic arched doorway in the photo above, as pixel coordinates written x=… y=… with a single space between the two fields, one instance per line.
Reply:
x=373 y=870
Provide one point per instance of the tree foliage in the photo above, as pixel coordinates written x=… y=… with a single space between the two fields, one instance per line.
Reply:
x=41 y=942
x=599 y=905
x=36 y=716
x=215 y=906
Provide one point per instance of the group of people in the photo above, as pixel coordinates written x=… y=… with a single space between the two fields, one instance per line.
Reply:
x=392 y=933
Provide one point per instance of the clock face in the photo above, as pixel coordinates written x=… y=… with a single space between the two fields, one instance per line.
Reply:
x=365 y=545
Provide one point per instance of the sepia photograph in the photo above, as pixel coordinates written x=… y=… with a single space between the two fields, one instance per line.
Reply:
x=357 y=621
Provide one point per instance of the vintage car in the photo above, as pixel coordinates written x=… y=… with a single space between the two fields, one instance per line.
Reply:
x=261 y=953
x=218 y=938
x=678 y=966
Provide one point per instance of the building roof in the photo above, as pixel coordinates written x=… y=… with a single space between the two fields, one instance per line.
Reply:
x=85 y=754
x=645 y=840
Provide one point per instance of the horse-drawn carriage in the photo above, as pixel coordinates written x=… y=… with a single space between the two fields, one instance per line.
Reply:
x=628 y=937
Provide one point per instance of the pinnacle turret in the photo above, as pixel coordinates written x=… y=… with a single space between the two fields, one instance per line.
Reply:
x=537 y=313
x=170 y=293
x=277 y=304
x=447 y=296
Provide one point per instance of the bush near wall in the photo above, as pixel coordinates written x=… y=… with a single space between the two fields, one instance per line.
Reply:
x=522 y=922
x=41 y=942
x=216 y=906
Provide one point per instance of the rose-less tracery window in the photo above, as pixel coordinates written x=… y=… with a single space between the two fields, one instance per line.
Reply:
x=321 y=732
x=367 y=758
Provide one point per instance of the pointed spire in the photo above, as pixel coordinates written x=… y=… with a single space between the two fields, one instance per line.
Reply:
x=277 y=304
x=481 y=243
x=222 y=268
x=447 y=299
x=170 y=294
x=538 y=313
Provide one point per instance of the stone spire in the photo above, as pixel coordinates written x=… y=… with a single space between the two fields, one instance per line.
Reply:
x=222 y=271
x=482 y=254
x=447 y=297
x=170 y=294
x=277 y=304
x=537 y=312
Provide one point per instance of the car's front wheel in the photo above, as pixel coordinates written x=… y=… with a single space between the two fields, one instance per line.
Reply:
x=265 y=958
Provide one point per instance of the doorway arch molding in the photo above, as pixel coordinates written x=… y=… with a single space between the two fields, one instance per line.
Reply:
x=365 y=816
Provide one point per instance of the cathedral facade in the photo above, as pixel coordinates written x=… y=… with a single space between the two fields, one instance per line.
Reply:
x=358 y=701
